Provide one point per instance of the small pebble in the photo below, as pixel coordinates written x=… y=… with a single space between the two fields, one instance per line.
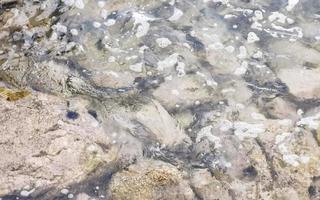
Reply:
x=104 y=13
x=24 y=193
x=74 y=32
x=110 y=22
x=96 y=24
x=64 y=191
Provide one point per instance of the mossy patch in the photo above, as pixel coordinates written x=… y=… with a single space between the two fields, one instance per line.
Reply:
x=133 y=102
x=13 y=95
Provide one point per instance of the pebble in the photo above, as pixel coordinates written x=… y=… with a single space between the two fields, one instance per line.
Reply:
x=110 y=22
x=64 y=191
x=96 y=24
x=104 y=13
x=74 y=32
x=252 y=38
x=136 y=67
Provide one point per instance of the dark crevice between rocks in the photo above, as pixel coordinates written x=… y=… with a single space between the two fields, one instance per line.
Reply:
x=95 y=186
x=195 y=43
x=315 y=136
x=269 y=160
x=314 y=188
x=304 y=104
x=55 y=17
x=184 y=156
x=198 y=112
x=8 y=4
x=145 y=84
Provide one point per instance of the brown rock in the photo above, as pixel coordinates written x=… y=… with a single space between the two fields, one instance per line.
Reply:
x=149 y=180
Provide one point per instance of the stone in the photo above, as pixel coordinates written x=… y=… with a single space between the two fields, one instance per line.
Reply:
x=280 y=109
x=82 y=196
x=43 y=148
x=207 y=186
x=303 y=83
x=149 y=179
x=188 y=90
x=149 y=99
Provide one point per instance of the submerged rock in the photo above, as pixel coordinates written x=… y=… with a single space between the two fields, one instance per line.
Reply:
x=303 y=83
x=150 y=180
x=207 y=186
x=149 y=99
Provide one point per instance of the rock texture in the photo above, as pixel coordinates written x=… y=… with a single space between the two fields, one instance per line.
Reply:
x=149 y=99
x=150 y=180
x=44 y=145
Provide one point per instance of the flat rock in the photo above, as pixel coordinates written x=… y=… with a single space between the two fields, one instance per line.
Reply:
x=44 y=146
x=303 y=83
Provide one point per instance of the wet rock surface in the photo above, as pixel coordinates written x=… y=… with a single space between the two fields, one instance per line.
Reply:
x=146 y=99
x=150 y=180
x=45 y=145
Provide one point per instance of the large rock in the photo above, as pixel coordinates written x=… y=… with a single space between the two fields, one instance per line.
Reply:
x=150 y=180
x=208 y=187
x=184 y=91
x=45 y=145
x=303 y=83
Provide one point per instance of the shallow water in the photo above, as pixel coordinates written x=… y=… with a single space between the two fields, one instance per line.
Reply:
x=225 y=93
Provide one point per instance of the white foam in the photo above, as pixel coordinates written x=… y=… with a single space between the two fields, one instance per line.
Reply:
x=163 y=42
x=252 y=37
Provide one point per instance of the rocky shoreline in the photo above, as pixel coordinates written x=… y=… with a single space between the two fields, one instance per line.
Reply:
x=170 y=99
